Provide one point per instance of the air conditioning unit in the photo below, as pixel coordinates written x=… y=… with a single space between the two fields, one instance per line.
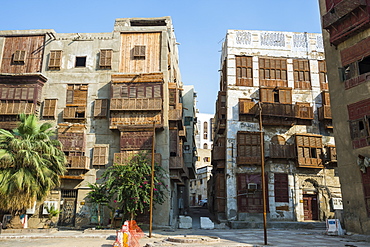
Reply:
x=49 y=204
x=252 y=186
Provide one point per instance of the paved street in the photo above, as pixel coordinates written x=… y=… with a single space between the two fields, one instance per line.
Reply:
x=232 y=237
x=186 y=237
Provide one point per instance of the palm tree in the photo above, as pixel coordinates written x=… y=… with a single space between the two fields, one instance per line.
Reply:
x=30 y=164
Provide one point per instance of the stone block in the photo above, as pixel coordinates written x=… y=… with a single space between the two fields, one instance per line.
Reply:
x=206 y=223
x=185 y=222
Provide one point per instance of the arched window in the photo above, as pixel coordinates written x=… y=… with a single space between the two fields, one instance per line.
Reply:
x=205 y=130
x=205 y=146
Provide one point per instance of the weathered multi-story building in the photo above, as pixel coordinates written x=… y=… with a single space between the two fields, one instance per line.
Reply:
x=203 y=140
x=282 y=76
x=346 y=33
x=107 y=93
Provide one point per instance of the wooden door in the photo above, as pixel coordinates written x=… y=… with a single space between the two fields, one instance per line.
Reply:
x=310 y=207
x=67 y=216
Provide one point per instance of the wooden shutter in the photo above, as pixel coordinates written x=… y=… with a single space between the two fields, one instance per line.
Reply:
x=70 y=93
x=172 y=96
x=244 y=68
x=325 y=98
x=285 y=96
x=124 y=92
x=281 y=187
x=100 y=154
x=101 y=108
x=55 y=59
x=267 y=95
x=174 y=141
x=132 y=90
x=105 y=61
x=50 y=106
x=301 y=69
x=157 y=91
x=139 y=51
x=19 y=56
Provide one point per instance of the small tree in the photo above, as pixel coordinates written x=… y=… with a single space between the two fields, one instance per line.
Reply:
x=31 y=161
x=129 y=184
x=100 y=196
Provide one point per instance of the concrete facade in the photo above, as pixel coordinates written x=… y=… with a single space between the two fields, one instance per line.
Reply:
x=346 y=36
x=80 y=66
x=260 y=70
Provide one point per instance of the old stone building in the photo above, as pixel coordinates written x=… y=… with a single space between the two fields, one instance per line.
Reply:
x=346 y=33
x=203 y=140
x=280 y=76
x=106 y=93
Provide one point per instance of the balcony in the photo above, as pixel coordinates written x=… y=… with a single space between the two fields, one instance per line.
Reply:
x=331 y=154
x=281 y=151
x=275 y=110
x=175 y=114
x=345 y=19
x=324 y=112
x=309 y=162
x=218 y=153
x=74 y=113
x=16 y=108
x=73 y=175
x=244 y=160
x=221 y=126
x=175 y=175
x=153 y=104
x=125 y=157
x=304 y=112
x=78 y=162
x=129 y=119
x=176 y=163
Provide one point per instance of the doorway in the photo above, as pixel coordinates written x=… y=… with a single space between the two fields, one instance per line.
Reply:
x=310 y=207
x=67 y=216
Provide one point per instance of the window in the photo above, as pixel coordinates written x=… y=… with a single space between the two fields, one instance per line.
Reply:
x=55 y=60
x=357 y=68
x=101 y=108
x=188 y=121
x=100 y=155
x=359 y=128
x=172 y=96
x=301 y=69
x=248 y=148
x=322 y=75
x=80 y=61
x=139 y=52
x=205 y=146
x=50 y=106
x=276 y=95
x=19 y=57
x=281 y=187
x=105 y=61
x=76 y=94
x=249 y=198
x=309 y=150
x=200 y=181
x=137 y=90
x=244 y=74
x=273 y=72
x=205 y=130
x=364 y=65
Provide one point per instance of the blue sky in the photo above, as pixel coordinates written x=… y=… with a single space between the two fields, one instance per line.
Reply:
x=200 y=26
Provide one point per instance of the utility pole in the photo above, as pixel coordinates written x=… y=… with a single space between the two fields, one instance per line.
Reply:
x=262 y=151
